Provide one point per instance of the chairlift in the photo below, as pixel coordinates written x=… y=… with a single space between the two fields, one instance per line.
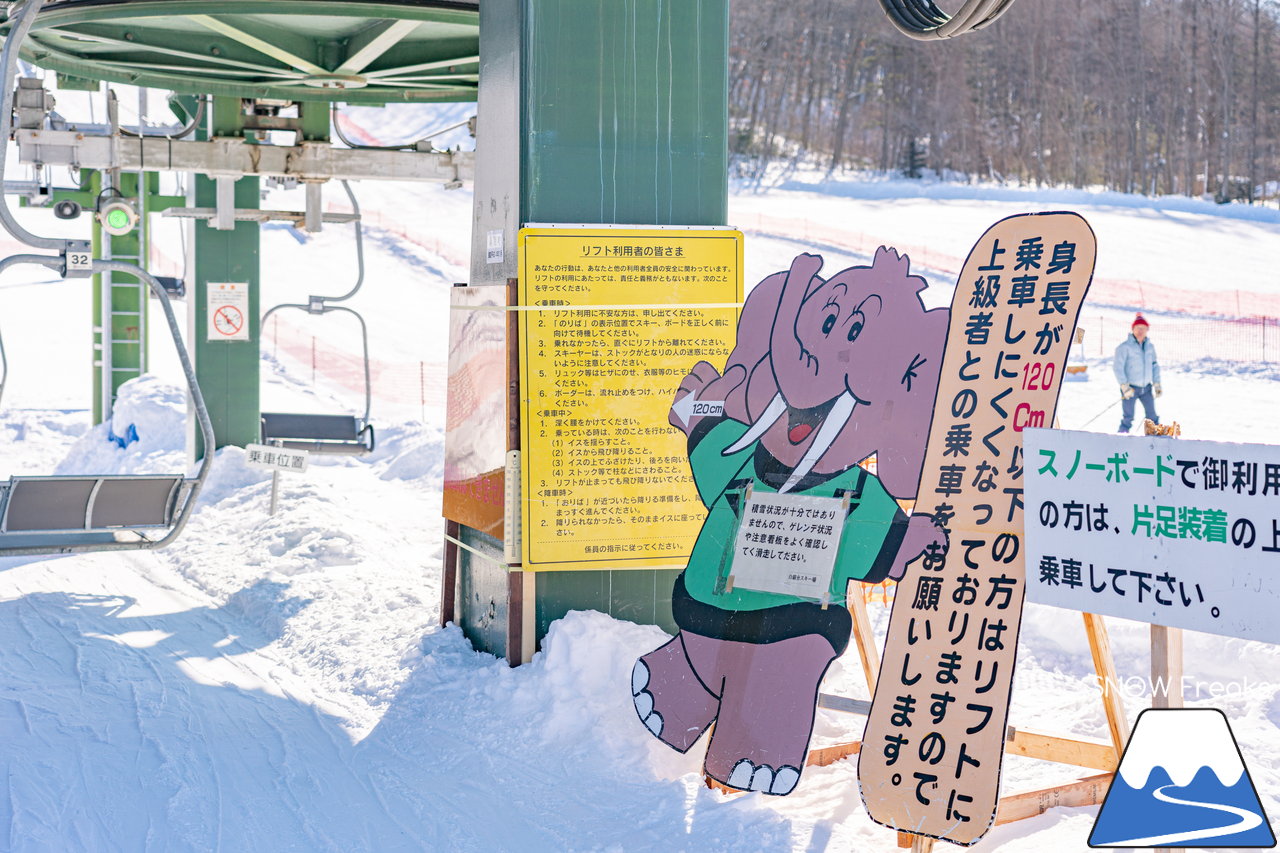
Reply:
x=68 y=514
x=331 y=434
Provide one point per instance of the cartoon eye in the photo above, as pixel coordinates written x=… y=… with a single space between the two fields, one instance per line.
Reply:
x=855 y=328
x=828 y=324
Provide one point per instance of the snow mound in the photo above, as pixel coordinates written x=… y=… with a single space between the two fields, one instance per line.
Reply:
x=410 y=452
x=149 y=408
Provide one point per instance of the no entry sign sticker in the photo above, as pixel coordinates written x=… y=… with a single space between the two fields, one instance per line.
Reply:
x=227 y=308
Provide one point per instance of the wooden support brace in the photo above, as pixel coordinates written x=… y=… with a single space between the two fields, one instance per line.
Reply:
x=1089 y=791
x=1078 y=752
x=866 y=640
x=831 y=754
x=1104 y=666
x=449 y=588
x=1166 y=667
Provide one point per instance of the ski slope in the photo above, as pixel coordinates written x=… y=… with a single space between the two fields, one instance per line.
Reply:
x=279 y=683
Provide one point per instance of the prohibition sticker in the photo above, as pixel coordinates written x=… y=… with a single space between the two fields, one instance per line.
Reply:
x=227 y=307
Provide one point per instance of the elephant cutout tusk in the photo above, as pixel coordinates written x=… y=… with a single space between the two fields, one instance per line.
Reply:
x=839 y=415
x=776 y=408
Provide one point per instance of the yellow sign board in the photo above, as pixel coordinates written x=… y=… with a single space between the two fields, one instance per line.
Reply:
x=611 y=322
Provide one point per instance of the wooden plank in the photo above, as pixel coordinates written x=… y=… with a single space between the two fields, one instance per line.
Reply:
x=449 y=589
x=1104 y=665
x=1166 y=667
x=843 y=704
x=515 y=617
x=1079 y=752
x=921 y=844
x=528 y=615
x=716 y=786
x=904 y=840
x=1094 y=754
x=866 y=639
x=1082 y=792
x=831 y=754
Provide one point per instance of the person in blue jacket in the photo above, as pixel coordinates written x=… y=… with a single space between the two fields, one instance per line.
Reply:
x=1138 y=373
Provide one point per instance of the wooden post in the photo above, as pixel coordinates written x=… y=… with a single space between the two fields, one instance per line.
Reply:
x=1166 y=667
x=448 y=589
x=1104 y=666
x=866 y=639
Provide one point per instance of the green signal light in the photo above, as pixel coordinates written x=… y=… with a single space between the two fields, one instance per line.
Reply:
x=117 y=220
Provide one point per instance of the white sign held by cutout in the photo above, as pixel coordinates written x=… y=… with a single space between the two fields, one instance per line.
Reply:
x=787 y=544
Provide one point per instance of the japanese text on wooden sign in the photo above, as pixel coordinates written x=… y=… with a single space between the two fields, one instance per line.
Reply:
x=609 y=318
x=1161 y=530
x=931 y=756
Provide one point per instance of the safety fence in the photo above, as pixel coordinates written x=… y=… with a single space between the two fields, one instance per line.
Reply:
x=1231 y=325
x=1103 y=292
x=411 y=387
x=1253 y=340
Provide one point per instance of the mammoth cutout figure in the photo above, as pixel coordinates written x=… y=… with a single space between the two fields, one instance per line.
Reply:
x=824 y=374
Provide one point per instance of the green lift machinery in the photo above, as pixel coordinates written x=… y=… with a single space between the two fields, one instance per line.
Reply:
x=254 y=84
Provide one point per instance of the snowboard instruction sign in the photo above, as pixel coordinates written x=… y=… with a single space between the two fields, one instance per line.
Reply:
x=608 y=318
x=1159 y=530
x=227 y=308
x=932 y=750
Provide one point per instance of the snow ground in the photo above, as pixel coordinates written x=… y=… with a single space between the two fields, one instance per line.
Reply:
x=279 y=683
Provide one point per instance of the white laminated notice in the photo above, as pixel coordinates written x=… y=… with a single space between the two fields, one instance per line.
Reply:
x=787 y=544
x=494 y=248
x=228 y=311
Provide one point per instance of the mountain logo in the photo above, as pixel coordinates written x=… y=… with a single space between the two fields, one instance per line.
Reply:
x=1182 y=782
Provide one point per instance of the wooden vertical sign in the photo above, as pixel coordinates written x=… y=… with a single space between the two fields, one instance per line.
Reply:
x=930 y=762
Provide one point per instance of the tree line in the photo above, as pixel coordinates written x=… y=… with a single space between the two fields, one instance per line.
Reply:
x=1146 y=96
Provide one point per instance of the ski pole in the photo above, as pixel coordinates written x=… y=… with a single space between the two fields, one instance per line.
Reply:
x=1100 y=414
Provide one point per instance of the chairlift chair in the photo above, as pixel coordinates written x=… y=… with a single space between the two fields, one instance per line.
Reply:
x=332 y=434
x=68 y=514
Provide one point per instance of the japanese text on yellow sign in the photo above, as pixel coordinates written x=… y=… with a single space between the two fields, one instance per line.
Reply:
x=610 y=321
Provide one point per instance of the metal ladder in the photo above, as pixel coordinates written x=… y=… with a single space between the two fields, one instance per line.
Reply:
x=120 y=333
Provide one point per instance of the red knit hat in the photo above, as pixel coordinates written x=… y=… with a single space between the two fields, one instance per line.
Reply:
x=1140 y=321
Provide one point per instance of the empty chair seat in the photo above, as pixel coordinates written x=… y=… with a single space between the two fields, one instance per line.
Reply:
x=345 y=434
x=66 y=514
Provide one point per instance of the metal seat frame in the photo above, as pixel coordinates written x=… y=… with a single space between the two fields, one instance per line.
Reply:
x=127 y=514
x=78 y=513
x=329 y=434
